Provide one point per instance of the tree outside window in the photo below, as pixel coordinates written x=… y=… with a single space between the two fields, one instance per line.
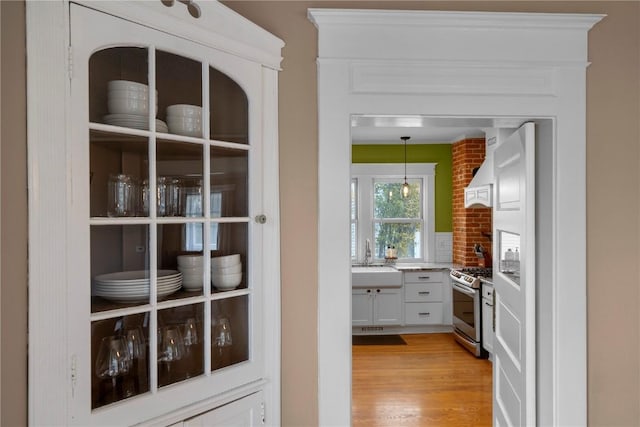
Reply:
x=397 y=221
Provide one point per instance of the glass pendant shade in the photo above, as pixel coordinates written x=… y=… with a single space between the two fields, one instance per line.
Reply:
x=405 y=186
x=405 y=189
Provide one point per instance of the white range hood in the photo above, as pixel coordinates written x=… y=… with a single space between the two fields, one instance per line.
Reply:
x=479 y=192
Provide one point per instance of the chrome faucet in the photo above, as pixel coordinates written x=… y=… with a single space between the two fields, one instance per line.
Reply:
x=367 y=252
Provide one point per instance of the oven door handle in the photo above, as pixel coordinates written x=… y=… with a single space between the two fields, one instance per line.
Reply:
x=465 y=290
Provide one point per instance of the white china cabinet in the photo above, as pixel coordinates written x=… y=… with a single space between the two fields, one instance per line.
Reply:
x=154 y=279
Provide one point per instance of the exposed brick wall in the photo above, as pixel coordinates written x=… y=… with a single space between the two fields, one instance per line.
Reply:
x=469 y=224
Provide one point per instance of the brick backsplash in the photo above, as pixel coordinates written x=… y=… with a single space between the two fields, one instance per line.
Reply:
x=470 y=225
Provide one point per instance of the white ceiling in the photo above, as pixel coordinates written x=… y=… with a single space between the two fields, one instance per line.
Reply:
x=368 y=129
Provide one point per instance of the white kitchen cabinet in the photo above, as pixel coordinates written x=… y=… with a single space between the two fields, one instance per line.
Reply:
x=141 y=346
x=481 y=195
x=245 y=412
x=376 y=306
x=427 y=298
x=488 y=323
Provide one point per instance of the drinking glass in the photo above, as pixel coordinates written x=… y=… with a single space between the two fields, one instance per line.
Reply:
x=121 y=200
x=222 y=333
x=190 y=333
x=136 y=347
x=113 y=360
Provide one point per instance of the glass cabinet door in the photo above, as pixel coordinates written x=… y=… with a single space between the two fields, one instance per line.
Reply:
x=170 y=269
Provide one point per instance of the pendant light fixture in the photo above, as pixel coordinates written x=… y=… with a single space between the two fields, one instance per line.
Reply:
x=405 y=186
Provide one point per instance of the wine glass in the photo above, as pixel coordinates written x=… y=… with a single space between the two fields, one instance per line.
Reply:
x=222 y=333
x=190 y=333
x=113 y=360
x=191 y=339
x=136 y=347
x=171 y=346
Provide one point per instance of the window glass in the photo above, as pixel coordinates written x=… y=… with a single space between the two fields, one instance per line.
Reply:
x=397 y=220
x=389 y=203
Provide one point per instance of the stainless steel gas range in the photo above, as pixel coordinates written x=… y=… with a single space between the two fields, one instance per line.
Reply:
x=467 y=307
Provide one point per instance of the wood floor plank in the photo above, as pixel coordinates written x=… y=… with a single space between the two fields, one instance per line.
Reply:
x=431 y=381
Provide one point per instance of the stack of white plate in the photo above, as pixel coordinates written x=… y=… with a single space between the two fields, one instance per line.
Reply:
x=184 y=119
x=128 y=106
x=226 y=272
x=135 y=122
x=191 y=267
x=133 y=286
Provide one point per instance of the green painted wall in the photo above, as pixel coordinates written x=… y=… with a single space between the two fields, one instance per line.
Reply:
x=423 y=153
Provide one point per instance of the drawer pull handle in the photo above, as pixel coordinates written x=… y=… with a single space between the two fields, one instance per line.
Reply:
x=424 y=314
x=423 y=277
x=424 y=293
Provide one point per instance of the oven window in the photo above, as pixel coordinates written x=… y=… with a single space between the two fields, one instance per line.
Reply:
x=463 y=306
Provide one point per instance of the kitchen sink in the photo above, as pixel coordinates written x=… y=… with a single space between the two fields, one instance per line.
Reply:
x=375 y=275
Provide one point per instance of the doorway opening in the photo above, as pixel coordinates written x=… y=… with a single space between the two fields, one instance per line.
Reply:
x=374 y=142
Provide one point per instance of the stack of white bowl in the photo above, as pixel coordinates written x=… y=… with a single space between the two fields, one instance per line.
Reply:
x=226 y=272
x=184 y=119
x=128 y=105
x=192 y=269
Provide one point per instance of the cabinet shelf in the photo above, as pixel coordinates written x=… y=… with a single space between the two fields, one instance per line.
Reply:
x=101 y=132
x=104 y=309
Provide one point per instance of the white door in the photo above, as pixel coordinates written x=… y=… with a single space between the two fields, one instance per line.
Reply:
x=514 y=276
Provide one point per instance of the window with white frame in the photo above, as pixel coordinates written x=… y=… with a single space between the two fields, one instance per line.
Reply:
x=381 y=214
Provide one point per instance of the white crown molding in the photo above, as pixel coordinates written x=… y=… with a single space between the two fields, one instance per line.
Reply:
x=218 y=27
x=392 y=35
x=453 y=19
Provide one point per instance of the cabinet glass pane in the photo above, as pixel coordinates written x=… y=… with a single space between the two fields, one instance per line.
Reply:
x=229 y=182
x=119 y=266
x=180 y=343
x=229 y=261
x=510 y=255
x=119 y=358
x=118 y=175
x=179 y=180
x=174 y=242
x=121 y=104
x=179 y=85
x=229 y=331
x=229 y=109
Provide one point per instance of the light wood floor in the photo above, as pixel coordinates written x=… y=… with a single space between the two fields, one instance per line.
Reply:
x=431 y=381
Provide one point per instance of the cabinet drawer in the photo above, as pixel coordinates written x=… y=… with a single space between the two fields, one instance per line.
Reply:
x=423 y=276
x=423 y=313
x=423 y=292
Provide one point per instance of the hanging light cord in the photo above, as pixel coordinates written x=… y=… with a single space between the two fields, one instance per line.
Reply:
x=405 y=186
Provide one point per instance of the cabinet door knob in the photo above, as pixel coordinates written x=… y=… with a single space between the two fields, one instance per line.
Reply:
x=368 y=291
x=378 y=290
